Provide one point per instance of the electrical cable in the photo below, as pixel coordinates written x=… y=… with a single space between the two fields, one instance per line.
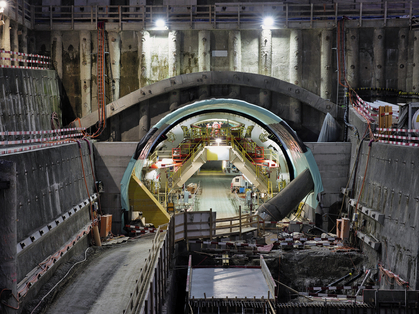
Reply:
x=93 y=174
x=85 y=258
x=5 y=304
x=92 y=214
x=365 y=173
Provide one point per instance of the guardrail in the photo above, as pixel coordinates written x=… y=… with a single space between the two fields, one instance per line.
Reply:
x=35 y=59
x=151 y=284
x=247 y=159
x=204 y=224
x=188 y=160
x=57 y=137
x=211 y=16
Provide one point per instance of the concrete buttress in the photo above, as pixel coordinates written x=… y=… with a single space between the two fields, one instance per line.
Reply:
x=378 y=80
x=115 y=56
x=174 y=56
x=352 y=57
x=326 y=69
x=144 y=51
x=204 y=47
x=234 y=51
x=402 y=58
x=57 y=52
x=265 y=52
x=295 y=70
x=14 y=40
x=204 y=60
x=5 y=40
x=24 y=41
x=86 y=71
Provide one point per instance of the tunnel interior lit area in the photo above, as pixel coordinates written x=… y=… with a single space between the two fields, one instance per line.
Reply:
x=225 y=137
x=256 y=152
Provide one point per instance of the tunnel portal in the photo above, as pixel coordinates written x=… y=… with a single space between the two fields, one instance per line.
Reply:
x=248 y=139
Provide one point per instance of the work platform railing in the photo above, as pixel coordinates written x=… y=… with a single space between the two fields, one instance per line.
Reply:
x=219 y=15
x=150 y=287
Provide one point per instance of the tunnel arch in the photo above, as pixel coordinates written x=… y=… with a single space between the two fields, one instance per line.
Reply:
x=161 y=93
x=298 y=154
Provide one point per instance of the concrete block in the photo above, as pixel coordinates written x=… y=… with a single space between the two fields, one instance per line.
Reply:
x=377 y=216
x=368 y=240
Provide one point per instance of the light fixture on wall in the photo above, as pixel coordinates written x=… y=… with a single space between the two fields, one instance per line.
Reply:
x=3 y=5
x=161 y=24
x=268 y=22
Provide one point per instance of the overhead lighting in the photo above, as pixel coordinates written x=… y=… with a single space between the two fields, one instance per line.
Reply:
x=3 y=5
x=268 y=22
x=160 y=23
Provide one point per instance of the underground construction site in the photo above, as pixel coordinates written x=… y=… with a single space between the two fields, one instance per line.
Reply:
x=190 y=156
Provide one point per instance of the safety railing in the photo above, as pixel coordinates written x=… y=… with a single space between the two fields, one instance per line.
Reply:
x=188 y=160
x=186 y=229
x=247 y=159
x=217 y=15
x=389 y=138
x=147 y=295
x=37 y=139
x=24 y=60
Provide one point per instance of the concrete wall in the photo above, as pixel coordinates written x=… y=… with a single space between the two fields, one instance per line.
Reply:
x=304 y=57
x=389 y=186
x=333 y=160
x=48 y=184
x=27 y=99
x=111 y=160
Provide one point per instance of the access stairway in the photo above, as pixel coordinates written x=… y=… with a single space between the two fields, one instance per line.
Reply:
x=196 y=158
x=240 y=158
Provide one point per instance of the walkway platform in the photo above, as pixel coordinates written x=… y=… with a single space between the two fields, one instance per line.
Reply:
x=240 y=289
x=231 y=283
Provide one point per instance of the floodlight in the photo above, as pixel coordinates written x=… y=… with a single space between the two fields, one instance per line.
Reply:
x=160 y=23
x=268 y=21
x=3 y=5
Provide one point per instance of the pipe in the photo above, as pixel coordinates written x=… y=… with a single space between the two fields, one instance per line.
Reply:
x=282 y=204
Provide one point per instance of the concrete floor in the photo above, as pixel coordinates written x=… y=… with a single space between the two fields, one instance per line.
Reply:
x=215 y=186
x=228 y=282
x=105 y=284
